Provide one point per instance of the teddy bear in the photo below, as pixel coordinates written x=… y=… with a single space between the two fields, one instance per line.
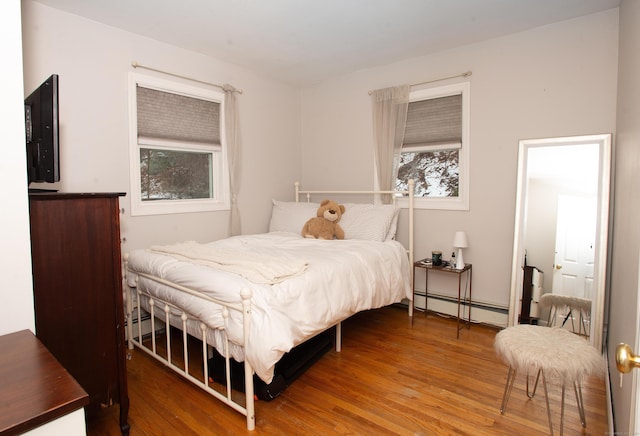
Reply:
x=325 y=224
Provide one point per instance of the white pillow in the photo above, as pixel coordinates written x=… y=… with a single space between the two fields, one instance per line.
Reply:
x=368 y=221
x=391 y=234
x=290 y=216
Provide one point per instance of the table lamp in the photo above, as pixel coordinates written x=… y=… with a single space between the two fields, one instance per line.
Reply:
x=460 y=242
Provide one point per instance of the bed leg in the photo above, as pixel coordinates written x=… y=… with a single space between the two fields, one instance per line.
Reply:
x=128 y=292
x=339 y=337
x=248 y=369
x=129 y=319
x=410 y=310
x=248 y=380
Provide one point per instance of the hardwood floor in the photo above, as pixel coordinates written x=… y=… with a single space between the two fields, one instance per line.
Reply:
x=390 y=378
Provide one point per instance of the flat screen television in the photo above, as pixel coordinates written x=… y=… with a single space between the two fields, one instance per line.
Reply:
x=42 y=132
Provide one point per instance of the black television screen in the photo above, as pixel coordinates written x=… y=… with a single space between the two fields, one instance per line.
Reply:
x=42 y=132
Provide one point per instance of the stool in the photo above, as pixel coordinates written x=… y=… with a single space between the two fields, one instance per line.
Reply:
x=557 y=303
x=550 y=353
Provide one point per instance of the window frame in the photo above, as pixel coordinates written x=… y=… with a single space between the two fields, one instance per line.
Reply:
x=220 y=199
x=448 y=203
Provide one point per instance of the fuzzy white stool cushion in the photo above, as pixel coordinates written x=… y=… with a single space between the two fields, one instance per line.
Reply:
x=548 y=300
x=557 y=354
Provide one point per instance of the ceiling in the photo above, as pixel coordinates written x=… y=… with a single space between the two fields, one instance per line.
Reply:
x=303 y=42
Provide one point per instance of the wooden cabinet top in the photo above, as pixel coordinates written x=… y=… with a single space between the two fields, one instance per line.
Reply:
x=58 y=195
x=34 y=387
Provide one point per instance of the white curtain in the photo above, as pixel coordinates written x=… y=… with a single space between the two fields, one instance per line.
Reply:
x=389 y=118
x=233 y=154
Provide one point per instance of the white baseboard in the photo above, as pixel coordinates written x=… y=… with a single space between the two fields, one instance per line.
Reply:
x=480 y=313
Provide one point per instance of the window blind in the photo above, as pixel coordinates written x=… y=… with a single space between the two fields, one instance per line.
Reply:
x=434 y=122
x=169 y=116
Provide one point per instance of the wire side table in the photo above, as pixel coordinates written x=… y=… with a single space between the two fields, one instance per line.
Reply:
x=468 y=269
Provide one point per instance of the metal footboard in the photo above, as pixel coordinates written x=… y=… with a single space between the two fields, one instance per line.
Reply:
x=166 y=313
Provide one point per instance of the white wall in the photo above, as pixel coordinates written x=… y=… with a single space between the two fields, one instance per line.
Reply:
x=93 y=61
x=556 y=80
x=540 y=232
x=16 y=310
x=623 y=316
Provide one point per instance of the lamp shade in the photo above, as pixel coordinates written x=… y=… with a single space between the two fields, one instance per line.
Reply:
x=460 y=240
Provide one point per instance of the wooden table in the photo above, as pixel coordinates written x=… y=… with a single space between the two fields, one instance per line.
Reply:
x=428 y=266
x=34 y=388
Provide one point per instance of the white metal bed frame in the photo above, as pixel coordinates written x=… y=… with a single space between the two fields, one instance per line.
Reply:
x=161 y=309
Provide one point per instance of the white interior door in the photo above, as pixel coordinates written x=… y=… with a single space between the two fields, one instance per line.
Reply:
x=634 y=397
x=575 y=240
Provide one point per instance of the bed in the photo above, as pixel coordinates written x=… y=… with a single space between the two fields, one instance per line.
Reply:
x=253 y=298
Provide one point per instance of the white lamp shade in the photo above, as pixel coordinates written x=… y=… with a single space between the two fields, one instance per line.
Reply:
x=460 y=240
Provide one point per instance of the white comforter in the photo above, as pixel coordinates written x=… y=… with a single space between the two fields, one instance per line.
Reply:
x=342 y=277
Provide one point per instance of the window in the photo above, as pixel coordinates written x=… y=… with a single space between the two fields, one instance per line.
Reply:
x=177 y=148
x=435 y=150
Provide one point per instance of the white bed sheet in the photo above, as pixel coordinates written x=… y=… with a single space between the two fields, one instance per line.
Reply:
x=343 y=277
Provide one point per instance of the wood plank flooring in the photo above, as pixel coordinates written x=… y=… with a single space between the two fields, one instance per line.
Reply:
x=390 y=378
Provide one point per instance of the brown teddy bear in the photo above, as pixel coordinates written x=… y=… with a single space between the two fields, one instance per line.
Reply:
x=325 y=224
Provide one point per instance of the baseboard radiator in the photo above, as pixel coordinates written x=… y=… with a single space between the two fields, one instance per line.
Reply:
x=482 y=313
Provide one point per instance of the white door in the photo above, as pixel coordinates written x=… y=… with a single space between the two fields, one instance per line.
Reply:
x=634 y=397
x=575 y=239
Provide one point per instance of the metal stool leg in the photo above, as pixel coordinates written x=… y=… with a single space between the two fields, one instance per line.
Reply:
x=583 y=320
x=535 y=387
x=562 y=412
x=511 y=377
x=546 y=397
x=551 y=321
x=578 y=390
x=569 y=314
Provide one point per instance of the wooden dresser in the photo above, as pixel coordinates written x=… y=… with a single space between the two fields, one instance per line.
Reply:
x=77 y=285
